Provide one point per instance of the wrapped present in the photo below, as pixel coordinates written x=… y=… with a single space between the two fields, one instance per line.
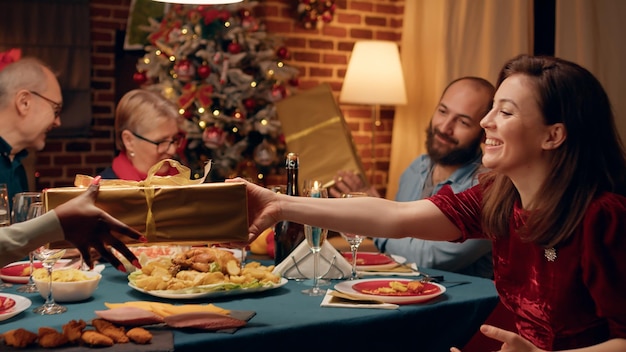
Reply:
x=315 y=129
x=169 y=208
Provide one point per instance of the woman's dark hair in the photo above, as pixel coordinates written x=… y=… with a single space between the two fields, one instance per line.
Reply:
x=590 y=161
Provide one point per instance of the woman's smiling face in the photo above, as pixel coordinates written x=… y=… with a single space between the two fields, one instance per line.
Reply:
x=515 y=129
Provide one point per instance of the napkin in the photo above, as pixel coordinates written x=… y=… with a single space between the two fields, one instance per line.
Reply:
x=399 y=270
x=299 y=263
x=341 y=300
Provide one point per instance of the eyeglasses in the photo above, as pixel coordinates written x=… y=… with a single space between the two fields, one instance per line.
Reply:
x=164 y=145
x=56 y=107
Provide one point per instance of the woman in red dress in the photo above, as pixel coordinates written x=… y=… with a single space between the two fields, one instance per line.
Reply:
x=553 y=203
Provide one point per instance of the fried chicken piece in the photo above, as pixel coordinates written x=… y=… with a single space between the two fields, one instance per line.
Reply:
x=200 y=259
x=49 y=337
x=95 y=339
x=116 y=333
x=139 y=335
x=19 y=338
x=74 y=329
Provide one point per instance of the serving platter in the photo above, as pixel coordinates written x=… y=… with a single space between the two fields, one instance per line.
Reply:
x=359 y=288
x=209 y=291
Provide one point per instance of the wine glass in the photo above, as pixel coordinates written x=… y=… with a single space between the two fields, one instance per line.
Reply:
x=49 y=257
x=353 y=239
x=315 y=237
x=20 y=212
x=5 y=219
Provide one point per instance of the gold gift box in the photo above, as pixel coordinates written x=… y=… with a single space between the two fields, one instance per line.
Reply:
x=315 y=129
x=169 y=208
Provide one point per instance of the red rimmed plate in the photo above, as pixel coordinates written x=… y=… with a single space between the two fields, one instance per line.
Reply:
x=359 y=287
x=374 y=260
x=14 y=272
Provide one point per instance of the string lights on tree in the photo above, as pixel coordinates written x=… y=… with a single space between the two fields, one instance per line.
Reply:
x=225 y=73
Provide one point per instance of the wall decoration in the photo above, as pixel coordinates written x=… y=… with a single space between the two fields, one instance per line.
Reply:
x=312 y=13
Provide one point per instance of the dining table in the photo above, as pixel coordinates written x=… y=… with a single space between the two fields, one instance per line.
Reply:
x=285 y=319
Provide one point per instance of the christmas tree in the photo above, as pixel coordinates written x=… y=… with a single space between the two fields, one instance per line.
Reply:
x=225 y=73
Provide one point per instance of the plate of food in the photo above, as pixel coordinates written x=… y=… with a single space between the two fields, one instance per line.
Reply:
x=211 y=291
x=398 y=291
x=203 y=272
x=374 y=261
x=12 y=305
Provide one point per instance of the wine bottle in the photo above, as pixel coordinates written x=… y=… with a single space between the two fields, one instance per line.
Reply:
x=287 y=234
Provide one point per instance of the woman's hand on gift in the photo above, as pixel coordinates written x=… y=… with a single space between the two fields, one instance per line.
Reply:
x=87 y=226
x=263 y=208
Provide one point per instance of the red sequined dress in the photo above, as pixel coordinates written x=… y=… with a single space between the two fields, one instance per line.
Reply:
x=577 y=300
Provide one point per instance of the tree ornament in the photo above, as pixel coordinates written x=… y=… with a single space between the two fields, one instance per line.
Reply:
x=185 y=70
x=265 y=154
x=234 y=48
x=204 y=70
x=282 y=53
x=250 y=104
x=311 y=13
x=213 y=137
x=140 y=77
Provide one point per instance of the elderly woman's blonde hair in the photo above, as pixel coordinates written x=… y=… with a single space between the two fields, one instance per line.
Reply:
x=138 y=109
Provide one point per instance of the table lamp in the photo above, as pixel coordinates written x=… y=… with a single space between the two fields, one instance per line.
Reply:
x=374 y=77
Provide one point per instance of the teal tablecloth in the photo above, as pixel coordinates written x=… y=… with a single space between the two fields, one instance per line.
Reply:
x=288 y=320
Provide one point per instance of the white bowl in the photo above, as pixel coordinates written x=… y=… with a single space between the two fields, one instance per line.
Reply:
x=70 y=291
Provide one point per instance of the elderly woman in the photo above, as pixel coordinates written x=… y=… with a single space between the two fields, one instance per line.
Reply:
x=147 y=130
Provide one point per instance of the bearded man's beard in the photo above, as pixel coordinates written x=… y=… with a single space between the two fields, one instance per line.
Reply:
x=454 y=156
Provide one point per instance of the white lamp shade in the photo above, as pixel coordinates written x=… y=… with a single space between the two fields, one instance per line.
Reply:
x=374 y=75
x=200 y=2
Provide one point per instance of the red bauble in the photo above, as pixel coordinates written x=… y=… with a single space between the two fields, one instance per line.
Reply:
x=213 y=137
x=249 y=103
x=204 y=71
x=282 y=53
x=234 y=48
x=185 y=70
x=188 y=113
x=140 y=77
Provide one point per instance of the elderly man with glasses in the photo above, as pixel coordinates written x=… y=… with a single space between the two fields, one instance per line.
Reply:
x=30 y=106
x=147 y=130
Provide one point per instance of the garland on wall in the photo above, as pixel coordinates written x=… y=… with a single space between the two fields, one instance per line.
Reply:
x=225 y=73
x=312 y=13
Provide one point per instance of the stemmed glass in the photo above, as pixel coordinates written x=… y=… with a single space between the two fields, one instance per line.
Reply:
x=49 y=257
x=353 y=239
x=5 y=218
x=21 y=207
x=315 y=237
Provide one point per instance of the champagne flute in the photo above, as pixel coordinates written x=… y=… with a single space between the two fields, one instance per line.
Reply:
x=353 y=239
x=20 y=212
x=315 y=237
x=49 y=257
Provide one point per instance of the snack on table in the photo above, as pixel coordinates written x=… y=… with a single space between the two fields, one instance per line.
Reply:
x=51 y=338
x=74 y=329
x=203 y=320
x=64 y=275
x=19 y=338
x=139 y=335
x=96 y=339
x=116 y=333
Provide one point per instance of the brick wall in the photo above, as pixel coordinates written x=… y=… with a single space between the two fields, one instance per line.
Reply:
x=321 y=54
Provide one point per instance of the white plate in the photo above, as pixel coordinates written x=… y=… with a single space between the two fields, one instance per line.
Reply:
x=211 y=291
x=347 y=288
x=21 y=304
